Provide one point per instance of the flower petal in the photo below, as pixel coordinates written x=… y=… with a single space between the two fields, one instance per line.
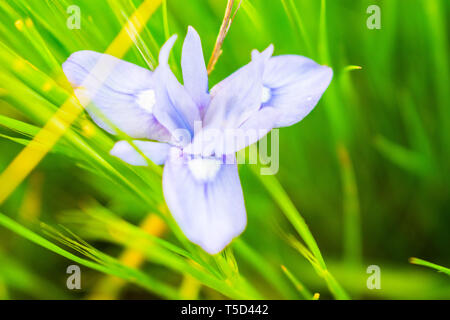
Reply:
x=164 y=52
x=236 y=97
x=257 y=126
x=195 y=76
x=210 y=212
x=234 y=101
x=234 y=119
x=121 y=93
x=293 y=85
x=155 y=151
x=228 y=141
x=266 y=54
x=174 y=107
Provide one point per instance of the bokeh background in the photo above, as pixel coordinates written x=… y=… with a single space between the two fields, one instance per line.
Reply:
x=367 y=170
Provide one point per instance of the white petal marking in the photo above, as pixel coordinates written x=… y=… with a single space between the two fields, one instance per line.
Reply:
x=146 y=100
x=204 y=169
x=266 y=95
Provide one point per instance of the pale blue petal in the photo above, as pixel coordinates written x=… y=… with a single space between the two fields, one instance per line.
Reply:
x=174 y=107
x=266 y=54
x=257 y=126
x=229 y=141
x=155 y=151
x=210 y=213
x=164 y=52
x=115 y=89
x=236 y=98
x=195 y=76
x=295 y=84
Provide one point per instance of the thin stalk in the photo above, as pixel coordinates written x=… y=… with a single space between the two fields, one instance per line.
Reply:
x=224 y=28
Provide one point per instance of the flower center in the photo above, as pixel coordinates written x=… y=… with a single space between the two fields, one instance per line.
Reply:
x=204 y=169
x=146 y=100
x=266 y=95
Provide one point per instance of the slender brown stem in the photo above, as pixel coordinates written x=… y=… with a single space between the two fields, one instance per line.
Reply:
x=226 y=23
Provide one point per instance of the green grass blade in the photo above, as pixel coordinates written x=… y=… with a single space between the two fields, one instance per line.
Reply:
x=431 y=265
x=122 y=272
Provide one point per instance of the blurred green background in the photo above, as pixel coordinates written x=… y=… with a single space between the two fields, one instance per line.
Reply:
x=368 y=169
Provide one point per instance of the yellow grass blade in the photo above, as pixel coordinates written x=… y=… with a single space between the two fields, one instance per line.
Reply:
x=55 y=128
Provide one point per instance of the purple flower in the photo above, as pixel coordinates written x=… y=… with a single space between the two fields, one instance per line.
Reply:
x=200 y=181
